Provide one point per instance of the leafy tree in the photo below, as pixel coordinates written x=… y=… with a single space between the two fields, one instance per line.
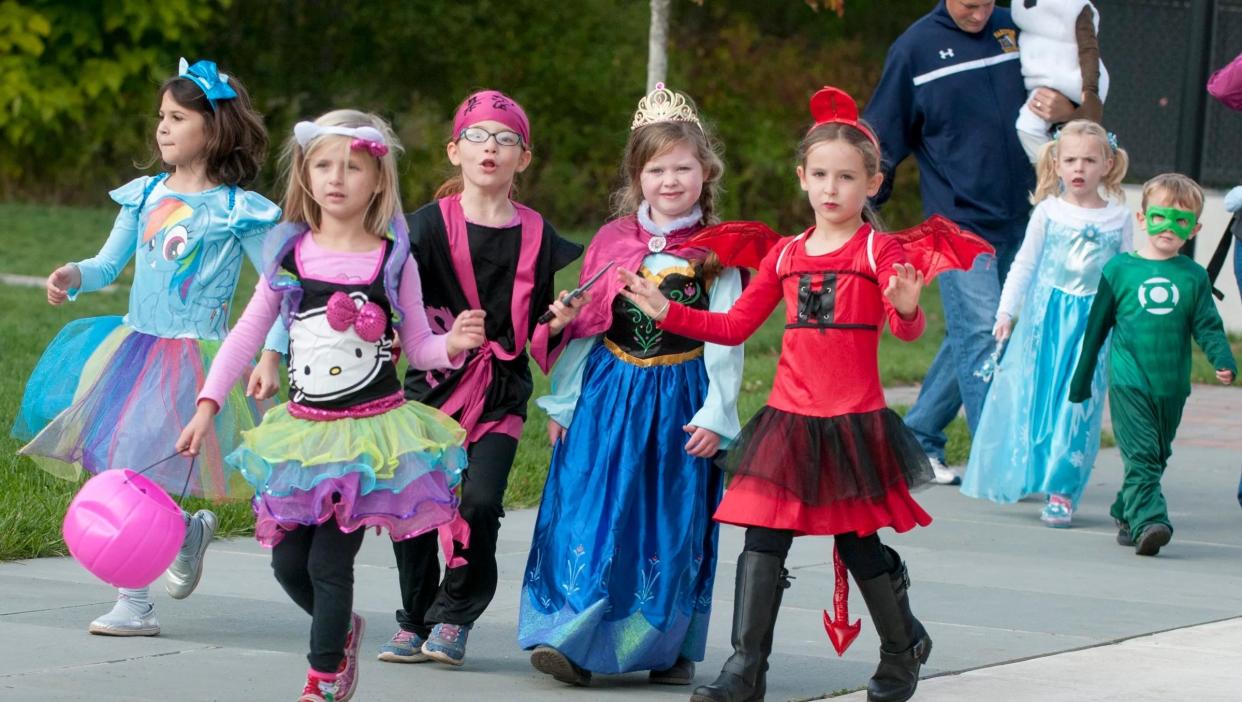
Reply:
x=76 y=85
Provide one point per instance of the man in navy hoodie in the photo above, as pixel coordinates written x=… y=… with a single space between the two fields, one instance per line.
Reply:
x=950 y=92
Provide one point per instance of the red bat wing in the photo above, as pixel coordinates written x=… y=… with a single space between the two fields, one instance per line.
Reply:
x=741 y=244
x=939 y=245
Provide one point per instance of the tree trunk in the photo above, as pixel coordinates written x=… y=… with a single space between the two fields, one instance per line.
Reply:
x=657 y=44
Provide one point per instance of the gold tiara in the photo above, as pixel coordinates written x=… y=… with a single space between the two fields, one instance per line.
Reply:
x=663 y=105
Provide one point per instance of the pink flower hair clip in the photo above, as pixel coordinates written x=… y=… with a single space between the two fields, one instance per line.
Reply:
x=376 y=148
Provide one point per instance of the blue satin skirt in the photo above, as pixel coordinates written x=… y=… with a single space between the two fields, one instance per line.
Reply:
x=621 y=566
x=1031 y=438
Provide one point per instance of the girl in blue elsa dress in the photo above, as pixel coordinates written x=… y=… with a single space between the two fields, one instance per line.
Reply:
x=1031 y=439
x=114 y=392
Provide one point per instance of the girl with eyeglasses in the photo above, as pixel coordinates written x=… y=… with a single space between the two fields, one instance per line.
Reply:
x=477 y=248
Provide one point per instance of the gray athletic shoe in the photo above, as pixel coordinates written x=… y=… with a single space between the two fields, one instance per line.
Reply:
x=187 y=568
x=129 y=617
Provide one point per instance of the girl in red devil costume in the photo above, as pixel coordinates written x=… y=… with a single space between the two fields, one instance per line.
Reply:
x=825 y=456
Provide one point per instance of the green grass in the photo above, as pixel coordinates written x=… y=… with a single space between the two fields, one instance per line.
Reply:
x=36 y=239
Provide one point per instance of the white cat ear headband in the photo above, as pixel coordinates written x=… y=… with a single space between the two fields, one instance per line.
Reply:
x=364 y=138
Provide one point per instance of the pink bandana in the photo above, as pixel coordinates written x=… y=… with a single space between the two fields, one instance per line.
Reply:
x=491 y=105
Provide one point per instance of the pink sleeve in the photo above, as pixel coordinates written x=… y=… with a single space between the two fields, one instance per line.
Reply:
x=242 y=343
x=425 y=348
x=546 y=348
x=905 y=329
x=1226 y=84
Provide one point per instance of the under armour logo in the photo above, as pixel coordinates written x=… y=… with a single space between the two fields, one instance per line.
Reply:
x=946 y=54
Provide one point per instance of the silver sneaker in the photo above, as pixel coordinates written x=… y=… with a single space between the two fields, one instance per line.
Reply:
x=127 y=618
x=942 y=474
x=187 y=568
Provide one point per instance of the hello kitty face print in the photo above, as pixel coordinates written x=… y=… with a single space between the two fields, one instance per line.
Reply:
x=337 y=349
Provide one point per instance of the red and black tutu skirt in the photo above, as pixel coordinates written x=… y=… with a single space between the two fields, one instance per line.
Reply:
x=825 y=475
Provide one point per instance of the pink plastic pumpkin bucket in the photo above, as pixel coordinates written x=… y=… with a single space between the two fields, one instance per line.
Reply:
x=124 y=528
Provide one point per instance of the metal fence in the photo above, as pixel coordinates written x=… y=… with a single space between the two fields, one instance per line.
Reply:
x=1159 y=55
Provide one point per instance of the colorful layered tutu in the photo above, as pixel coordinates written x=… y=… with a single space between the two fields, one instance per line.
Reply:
x=132 y=394
x=825 y=475
x=395 y=470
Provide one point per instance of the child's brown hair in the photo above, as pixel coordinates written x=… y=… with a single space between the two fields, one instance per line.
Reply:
x=855 y=137
x=652 y=140
x=236 y=138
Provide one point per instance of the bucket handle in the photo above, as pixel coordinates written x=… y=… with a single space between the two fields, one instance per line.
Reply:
x=189 y=472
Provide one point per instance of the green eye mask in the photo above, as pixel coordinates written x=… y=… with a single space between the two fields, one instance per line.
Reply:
x=1163 y=219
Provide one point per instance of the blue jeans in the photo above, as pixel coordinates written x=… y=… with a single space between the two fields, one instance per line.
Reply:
x=970 y=299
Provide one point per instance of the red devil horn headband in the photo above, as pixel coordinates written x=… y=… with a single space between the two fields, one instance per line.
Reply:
x=832 y=105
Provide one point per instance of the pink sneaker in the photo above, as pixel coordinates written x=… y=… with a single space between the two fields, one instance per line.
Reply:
x=319 y=690
x=347 y=677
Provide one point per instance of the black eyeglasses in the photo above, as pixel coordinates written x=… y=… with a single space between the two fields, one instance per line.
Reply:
x=479 y=135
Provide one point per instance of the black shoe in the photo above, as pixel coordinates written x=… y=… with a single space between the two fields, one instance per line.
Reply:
x=550 y=661
x=1123 y=533
x=760 y=583
x=904 y=643
x=1152 y=538
x=681 y=673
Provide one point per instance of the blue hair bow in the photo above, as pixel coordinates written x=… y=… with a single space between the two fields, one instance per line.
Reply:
x=205 y=75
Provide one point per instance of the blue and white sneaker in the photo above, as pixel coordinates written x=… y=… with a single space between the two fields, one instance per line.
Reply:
x=1058 y=512
x=447 y=643
x=187 y=568
x=404 y=647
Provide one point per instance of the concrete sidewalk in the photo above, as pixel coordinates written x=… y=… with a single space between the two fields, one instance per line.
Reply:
x=1202 y=663
x=990 y=582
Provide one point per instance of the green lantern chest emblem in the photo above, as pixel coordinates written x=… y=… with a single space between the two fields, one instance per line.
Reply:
x=1158 y=295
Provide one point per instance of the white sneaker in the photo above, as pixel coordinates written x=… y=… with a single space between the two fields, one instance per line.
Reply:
x=128 y=618
x=942 y=474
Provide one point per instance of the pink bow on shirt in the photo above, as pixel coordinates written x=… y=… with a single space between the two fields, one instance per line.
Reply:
x=369 y=321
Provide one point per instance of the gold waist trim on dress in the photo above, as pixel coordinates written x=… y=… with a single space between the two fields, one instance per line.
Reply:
x=671 y=359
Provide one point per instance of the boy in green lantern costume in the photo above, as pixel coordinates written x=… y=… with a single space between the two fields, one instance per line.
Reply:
x=1156 y=300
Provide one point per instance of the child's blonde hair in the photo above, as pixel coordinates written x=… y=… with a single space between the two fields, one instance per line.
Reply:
x=1048 y=183
x=1182 y=190
x=298 y=204
x=653 y=140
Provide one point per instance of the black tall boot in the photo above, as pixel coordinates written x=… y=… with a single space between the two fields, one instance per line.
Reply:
x=756 y=599
x=782 y=584
x=904 y=643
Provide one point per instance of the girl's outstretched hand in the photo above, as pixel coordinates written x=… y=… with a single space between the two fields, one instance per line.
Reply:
x=1225 y=376
x=644 y=294
x=265 y=378
x=564 y=314
x=61 y=281
x=199 y=428
x=467 y=332
x=904 y=289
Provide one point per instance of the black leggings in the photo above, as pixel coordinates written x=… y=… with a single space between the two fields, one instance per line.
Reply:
x=468 y=590
x=864 y=556
x=315 y=566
